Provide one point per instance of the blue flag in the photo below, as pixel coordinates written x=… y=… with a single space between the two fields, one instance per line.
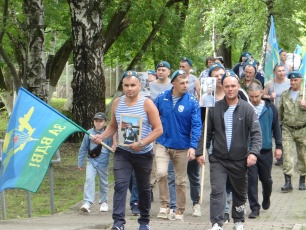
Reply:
x=272 y=55
x=35 y=131
x=303 y=67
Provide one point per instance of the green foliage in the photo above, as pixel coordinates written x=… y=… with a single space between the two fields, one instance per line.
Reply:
x=3 y=123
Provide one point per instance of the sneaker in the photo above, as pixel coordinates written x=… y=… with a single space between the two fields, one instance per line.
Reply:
x=238 y=226
x=117 y=228
x=279 y=163
x=254 y=214
x=216 y=226
x=171 y=215
x=85 y=208
x=135 y=209
x=144 y=227
x=104 y=207
x=163 y=212
x=179 y=216
x=226 y=218
x=196 y=210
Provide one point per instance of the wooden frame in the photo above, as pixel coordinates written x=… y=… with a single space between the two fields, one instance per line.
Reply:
x=128 y=136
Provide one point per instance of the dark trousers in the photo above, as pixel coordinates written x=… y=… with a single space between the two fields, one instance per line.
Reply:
x=124 y=163
x=193 y=172
x=236 y=171
x=133 y=190
x=262 y=171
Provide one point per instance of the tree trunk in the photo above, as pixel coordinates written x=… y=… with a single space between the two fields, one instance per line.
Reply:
x=56 y=64
x=35 y=64
x=88 y=82
x=5 y=96
x=226 y=53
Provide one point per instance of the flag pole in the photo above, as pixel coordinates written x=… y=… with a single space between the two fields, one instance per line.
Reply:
x=303 y=90
x=204 y=150
x=102 y=143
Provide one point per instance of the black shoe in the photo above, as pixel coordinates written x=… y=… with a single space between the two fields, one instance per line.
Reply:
x=302 y=183
x=117 y=228
x=135 y=210
x=279 y=163
x=266 y=204
x=288 y=186
x=254 y=214
x=226 y=218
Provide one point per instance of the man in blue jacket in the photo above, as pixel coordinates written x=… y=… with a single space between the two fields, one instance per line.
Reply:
x=268 y=119
x=181 y=119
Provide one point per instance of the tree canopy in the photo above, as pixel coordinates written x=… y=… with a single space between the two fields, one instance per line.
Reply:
x=138 y=34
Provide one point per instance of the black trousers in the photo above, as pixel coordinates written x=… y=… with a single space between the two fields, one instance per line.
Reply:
x=236 y=171
x=262 y=171
x=124 y=164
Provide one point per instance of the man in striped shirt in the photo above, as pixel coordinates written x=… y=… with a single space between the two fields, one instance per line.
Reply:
x=230 y=124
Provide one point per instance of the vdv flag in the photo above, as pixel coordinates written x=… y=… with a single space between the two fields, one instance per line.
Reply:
x=35 y=131
x=272 y=55
x=303 y=67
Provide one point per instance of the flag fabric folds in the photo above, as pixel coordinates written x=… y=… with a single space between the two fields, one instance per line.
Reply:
x=303 y=68
x=35 y=131
x=272 y=55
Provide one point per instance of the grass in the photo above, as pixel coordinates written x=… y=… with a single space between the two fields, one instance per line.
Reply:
x=68 y=181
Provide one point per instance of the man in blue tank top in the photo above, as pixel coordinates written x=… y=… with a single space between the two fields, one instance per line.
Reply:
x=274 y=89
x=136 y=156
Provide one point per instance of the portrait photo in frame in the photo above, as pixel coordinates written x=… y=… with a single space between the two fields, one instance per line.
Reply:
x=207 y=93
x=144 y=80
x=130 y=129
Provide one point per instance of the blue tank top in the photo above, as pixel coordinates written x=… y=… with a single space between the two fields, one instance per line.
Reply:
x=279 y=89
x=192 y=85
x=137 y=109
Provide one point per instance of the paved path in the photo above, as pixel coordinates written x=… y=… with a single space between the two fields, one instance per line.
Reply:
x=287 y=211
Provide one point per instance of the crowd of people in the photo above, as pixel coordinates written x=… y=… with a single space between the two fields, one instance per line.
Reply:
x=244 y=116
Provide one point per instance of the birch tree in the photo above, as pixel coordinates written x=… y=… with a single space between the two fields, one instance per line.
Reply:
x=88 y=82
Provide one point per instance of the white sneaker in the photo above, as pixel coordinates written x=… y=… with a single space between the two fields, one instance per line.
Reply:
x=238 y=226
x=85 y=208
x=104 y=207
x=163 y=212
x=216 y=226
x=171 y=215
x=179 y=216
x=196 y=210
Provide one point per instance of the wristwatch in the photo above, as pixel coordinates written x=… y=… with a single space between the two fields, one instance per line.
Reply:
x=140 y=144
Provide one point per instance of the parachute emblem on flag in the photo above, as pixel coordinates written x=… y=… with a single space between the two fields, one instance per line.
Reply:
x=17 y=139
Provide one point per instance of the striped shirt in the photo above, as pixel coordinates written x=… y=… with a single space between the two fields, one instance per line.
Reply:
x=137 y=109
x=228 y=121
x=174 y=100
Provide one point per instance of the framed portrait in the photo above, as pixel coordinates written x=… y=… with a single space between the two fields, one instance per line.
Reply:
x=129 y=129
x=144 y=80
x=207 y=93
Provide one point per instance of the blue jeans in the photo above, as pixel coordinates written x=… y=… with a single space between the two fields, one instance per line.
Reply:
x=133 y=190
x=89 y=186
x=171 y=184
x=124 y=164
